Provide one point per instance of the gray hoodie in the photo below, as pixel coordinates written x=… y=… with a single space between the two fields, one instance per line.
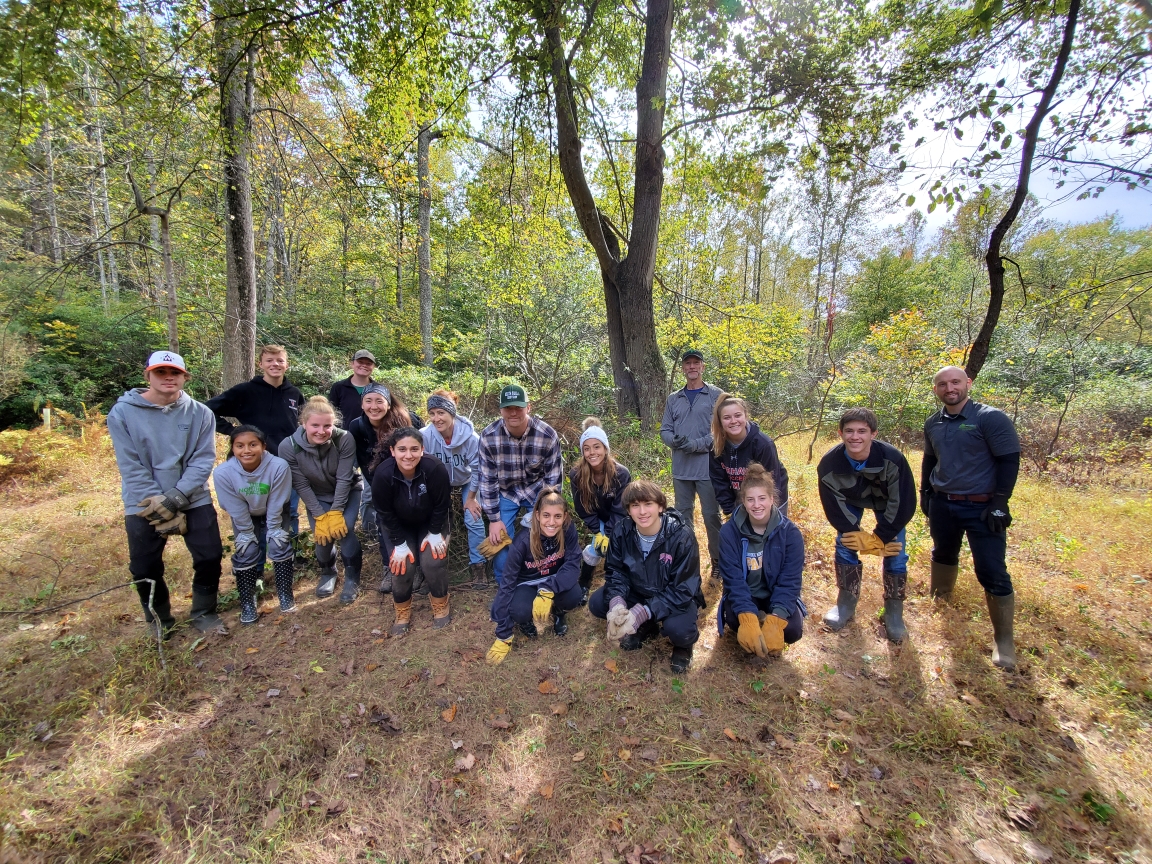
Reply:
x=461 y=457
x=326 y=472
x=159 y=447
x=262 y=492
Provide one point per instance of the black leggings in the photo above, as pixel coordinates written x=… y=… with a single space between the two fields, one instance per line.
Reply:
x=435 y=571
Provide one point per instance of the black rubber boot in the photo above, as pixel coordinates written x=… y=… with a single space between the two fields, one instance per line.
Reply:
x=203 y=614
x=648 y=631
x=1002 y=611
x=848 y=578
x=326 y=584
x=351 y=579
x=283 y=571
x=894 y=586
x=479 y=576
x=164 y=613
x=560 y=625
x=943 y=580
x=529 y=630
x=681 y=658
x=586 y=571
x=246 y=586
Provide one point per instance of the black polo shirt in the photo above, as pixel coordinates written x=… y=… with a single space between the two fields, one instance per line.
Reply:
x=966 y=446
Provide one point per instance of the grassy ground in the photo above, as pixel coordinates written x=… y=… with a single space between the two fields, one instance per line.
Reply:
x=262 y=745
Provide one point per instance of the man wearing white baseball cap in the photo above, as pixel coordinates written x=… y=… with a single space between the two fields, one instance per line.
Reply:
x=165 y=443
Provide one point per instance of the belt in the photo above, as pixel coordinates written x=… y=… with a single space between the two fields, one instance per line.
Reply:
x=979 y=499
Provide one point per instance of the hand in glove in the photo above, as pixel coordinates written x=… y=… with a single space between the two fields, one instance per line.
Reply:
x=870 y=544
x=438 y=543
x=499 y=651
x=773 y=633
x=401 y=556
x=617 y=618
x=680 y=442
x=996 y=515
x=892 y=547
x=637 y=615
x=279 y=544
x=925 y=501
x=243 y=540
x=542 y=608
x=178 y=524
x=320 y=532
x=163 y=508
x=337 y=527
x=600 y=543
x=853 y=540
x=489 y=549
x=749 y=635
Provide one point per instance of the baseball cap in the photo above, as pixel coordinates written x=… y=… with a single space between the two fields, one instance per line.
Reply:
x=364 y=354
x=158 y=359
x=513 y=395
x=692 y=353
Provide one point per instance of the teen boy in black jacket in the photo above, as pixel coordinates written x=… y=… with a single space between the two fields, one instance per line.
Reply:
x=651 y=576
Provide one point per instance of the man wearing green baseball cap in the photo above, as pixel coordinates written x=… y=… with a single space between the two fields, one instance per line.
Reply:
x=519 y=455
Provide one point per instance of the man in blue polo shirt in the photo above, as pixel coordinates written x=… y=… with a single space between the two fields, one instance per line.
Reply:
x=971 y=461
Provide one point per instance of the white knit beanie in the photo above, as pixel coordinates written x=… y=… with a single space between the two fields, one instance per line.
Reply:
x=595 y=433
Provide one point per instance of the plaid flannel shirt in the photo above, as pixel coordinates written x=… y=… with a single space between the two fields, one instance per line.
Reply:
x=517 y=468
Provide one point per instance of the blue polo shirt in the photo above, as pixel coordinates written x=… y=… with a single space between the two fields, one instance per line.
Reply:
x=966 y=446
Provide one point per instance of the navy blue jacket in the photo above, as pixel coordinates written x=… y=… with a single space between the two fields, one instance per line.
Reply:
x=608 y=510
x=668 y=580
x=727 y=471
x=559 y=573
x=783 y=567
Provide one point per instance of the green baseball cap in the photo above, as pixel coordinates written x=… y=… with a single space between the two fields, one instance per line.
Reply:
x=692 y=353
x=513 y=396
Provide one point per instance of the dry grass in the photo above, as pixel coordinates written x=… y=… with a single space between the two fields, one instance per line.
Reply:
x=846 y=749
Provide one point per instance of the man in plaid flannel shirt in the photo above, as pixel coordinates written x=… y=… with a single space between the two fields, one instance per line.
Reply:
x=519 y=456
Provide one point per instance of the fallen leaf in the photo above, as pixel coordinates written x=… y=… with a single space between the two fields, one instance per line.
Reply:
x=273 y=693
x=388 y=723
x=465 y=763
x=990 y=852
x=779 y=855
x=869 y=818
x=1024 y=814
x=440 y=680
x=272 y=818
x=449 y=714
x=624 y=755
x=579 y=756
x=348 y=667
x=833 y=786
x=457 y=743
x=649 y=754
x=730 y=735
x=371 y=667
x=379 y=641
x=201 y=645
x=611 y=666
x=337 y=808
x=252 y=650
x=963 y=742
x=615 y=826
x=546 y=790
x=500 y=721
x=630 y=740
x=846 y=847
x=1019 y=715
x=560 y=709
x=782 y=742
x=971 y=700
x=842 y=715
x=310 y=799
x=1071 y=823
x=327 y=631
x=1036 y=852
x=547 y=687
x=273 y=788
x=734 y=847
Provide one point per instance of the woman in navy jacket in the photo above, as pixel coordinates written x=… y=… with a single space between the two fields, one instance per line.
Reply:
x=737 y=442
x=762 y=565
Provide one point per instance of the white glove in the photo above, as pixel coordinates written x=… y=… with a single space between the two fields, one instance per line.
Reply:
x=438 y=543
x=244 y=539
x=401 y=555
x=527 y=520
x=618 y=619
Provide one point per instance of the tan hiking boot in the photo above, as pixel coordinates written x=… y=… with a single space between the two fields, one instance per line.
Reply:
x=403 y=616
x=441 y=614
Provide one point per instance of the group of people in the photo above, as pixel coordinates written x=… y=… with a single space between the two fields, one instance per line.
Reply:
x=360 y=455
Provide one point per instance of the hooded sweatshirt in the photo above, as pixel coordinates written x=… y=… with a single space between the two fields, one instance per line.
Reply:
x=608 y=510
x=263 y=492
x=412 y=509
x=272 y=410
x=159 y=447
x=666 y=579
x=461 y=457
x=884 y=484
x=551 y=572
x=761 y=571
x=322 y=472
x=728 y=469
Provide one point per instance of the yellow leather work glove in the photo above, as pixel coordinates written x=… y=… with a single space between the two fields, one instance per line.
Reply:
x=853 y=540
x=320 y=533
x=892 y=547
x=871 y=545
x=600 y=543
x=337 y=527
x=498 y=651
x=773 y=632
x=542 y=609
x=489 y=549
x=749 y=635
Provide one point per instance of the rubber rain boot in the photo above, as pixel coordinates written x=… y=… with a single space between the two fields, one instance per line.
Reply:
x=943 y=580
x=1002 y=611
x=326 y=583
x=681 y=658
x=283 y=571
x=848 y=578
x=246 y=587
x=351 y=579
x=560 y=625
x=894 y=586
x=403 y=617
x=164 y=613
x=586 y=571
x=203 y=614
x=441 y=613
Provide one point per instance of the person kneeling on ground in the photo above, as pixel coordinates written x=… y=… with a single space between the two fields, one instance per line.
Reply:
x=540 y=577
x=411 y=492
x=597 y=482
x=254 y=487
x=323 y=462
x=651 y=576
x=762 y=565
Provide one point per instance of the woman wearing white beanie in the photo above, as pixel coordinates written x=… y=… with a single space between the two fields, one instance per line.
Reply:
x=597 y=482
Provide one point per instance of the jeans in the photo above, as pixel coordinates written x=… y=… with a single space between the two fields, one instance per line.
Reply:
x=474 y=526
x=680 y=627
x=350 y=543
x=792 y=631
x=685 y=493
x=509 y=510
x=949 y=521
x=146 y=554
x=892 y=563
x=521 y=607
x=292 y=523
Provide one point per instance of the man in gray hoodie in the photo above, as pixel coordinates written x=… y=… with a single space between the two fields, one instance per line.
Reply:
x=165 y=443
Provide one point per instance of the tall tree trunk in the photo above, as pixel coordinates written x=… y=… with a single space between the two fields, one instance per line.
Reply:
x=400 y=252
x=236 y=89
x=983 y=342
x=50 y=182
x=96 y=128
x=170 y=282
x=424 y=235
